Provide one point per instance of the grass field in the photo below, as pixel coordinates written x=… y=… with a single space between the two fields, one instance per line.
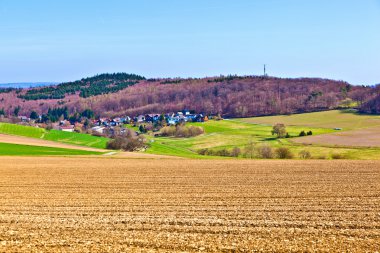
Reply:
x=148 y=205
x=223 y=134
x=230 y=133
x=54 y=135
x=7 y=149
x=350 y=143
x=346 y=119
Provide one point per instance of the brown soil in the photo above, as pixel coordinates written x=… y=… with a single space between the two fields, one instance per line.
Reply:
x=147 y=205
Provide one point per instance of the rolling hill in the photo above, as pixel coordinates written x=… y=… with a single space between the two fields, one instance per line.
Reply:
x=232 y=96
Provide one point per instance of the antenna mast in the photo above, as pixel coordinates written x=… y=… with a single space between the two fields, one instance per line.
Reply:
x=265 y=70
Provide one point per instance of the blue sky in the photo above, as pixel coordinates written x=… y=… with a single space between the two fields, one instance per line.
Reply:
x=67 y=40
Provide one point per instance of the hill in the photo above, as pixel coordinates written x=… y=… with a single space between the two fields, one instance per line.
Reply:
x=232 y=96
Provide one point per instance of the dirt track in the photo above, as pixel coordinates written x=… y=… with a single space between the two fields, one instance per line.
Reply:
x=368 y=137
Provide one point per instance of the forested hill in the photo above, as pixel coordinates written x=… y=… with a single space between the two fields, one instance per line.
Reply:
x=233 y=96
x=87 y=87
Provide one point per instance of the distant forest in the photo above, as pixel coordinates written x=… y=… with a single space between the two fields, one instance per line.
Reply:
x=231 y=96
x=87 y=87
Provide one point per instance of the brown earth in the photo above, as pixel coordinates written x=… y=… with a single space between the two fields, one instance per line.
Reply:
x=121 y=205
x=367 y=137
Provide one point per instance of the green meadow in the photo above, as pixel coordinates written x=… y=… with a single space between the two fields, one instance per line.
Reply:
x=227 y=134
x=345 y=119
x=7 y=149
x=54 y=135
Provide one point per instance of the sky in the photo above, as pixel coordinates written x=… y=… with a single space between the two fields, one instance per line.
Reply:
x=52 y=40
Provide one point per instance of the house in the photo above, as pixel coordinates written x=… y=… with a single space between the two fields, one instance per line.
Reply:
x=24 y=118
x=186 y=112
x=116 y=122
x=69 y=128
x=152 y=118
x=140 y=119
x=125 y=119
x=64 y=122
x=98 y=129
x=172 y=121
x=199 y=118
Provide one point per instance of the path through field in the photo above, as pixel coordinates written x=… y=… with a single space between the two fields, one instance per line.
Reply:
x=118 y=205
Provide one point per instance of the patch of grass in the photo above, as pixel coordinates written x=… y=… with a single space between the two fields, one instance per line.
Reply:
x=76 y=138
x=345 y=119
x=27 y=131
x=236 y=133
x=54 y=135
x=7 y=149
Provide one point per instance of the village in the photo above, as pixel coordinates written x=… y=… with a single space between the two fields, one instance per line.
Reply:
x=108 y=125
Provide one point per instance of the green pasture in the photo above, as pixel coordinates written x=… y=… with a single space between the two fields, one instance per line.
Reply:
x=346 y=119
x=7 y=149
x=238 y=132
x=54 y=135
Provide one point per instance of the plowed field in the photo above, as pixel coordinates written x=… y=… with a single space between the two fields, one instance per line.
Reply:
x=118 y=205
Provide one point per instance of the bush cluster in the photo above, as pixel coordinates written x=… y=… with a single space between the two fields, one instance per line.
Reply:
x=181 y=131
x=263 y=151
x=126 y=143
x=303 y=133
x=235 y=152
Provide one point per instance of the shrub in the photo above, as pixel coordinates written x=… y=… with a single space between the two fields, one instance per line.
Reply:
x=126 y=143
x=310 y=133
x=222 y=152
x=284 y=153
x=49 y=127
x=337 y=156
x=249 y=149
x=304 y=154
x=265 y=151
x=321 y=157
x=148 y=127
x=235 y=152
x=203 y=151
x=167 y=131
x=142 y=129
x=302 y=133
x=77 y=129
x=181 y=131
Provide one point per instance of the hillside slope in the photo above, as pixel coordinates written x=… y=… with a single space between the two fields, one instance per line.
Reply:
x=232 y=96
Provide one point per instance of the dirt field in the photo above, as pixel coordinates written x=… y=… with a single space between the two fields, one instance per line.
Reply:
x=118 y=205
x=368 y=137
